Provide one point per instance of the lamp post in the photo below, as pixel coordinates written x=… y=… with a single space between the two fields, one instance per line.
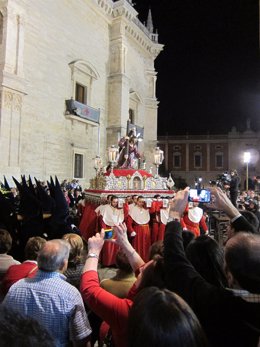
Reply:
x=247 y=157
x=112 y=156
x=158 y=159
x=199 y=182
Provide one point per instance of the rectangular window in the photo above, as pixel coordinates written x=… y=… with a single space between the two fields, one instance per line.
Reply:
x=78 y=165
x=176 y=160
x=81 y=93
x=197 y=160
x=132 y=116
x=219 y=160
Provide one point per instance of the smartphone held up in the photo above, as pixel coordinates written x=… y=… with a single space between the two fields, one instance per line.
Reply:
x=109 y=234
x=199 y=195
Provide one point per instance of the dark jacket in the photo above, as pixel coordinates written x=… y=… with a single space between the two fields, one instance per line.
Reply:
x=228 y=321
x=234 y=184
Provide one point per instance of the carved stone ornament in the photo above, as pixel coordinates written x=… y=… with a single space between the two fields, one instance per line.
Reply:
x=8 y=99
x=17 y=99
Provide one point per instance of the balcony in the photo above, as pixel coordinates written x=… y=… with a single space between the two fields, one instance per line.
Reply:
x=82 y=111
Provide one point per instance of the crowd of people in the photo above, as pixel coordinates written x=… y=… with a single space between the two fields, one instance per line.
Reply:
x=175 y=285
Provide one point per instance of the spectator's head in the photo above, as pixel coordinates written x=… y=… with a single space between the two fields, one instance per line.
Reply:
x=242 y=262
x=251 y=194
x=187 y=237
x=207 y=257
x=156 y=249
x=251 y=218
x=76 y=247
x=151 y=274
x=21 y=331
x=54 y=256
x=5 y=241
x=160 y=317
x=33 y=246
x=122 y=263
x=251 y=205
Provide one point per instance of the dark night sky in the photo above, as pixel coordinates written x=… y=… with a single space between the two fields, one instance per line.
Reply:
x=209 y=70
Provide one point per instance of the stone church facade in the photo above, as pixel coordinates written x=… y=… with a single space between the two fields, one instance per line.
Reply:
x=95 y=52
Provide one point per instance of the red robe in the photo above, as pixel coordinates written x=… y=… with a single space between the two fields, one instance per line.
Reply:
x=193 y=226
x=142 y=241
x=155 y=220
x=110 y=249
x=88 y=224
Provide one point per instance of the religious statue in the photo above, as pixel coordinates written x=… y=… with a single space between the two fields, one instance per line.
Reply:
x=128 y=151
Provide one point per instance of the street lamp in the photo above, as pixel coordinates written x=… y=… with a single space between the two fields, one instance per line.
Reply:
x=247 y=157
x=199 y=182
x=158 y=159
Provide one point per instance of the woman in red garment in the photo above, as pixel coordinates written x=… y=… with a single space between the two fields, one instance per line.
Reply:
x=107 y=306
x=138 y=222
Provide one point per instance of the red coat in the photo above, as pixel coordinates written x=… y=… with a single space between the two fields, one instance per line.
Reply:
x=107 y=306
x=16 y=273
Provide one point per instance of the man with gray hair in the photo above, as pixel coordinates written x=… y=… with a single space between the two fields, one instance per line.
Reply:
x=49 y=299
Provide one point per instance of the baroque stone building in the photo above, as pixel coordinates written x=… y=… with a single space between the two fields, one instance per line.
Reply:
x=52 y=53
x=207 y=156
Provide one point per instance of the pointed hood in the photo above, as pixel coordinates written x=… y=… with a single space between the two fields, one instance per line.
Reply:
x=7 y=190
x=6 y=185
x=47 y=202
x=30 y=206
x=61 y=203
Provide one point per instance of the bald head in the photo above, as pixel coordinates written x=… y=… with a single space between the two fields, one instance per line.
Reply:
x=242 y=256
x=53 y=255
